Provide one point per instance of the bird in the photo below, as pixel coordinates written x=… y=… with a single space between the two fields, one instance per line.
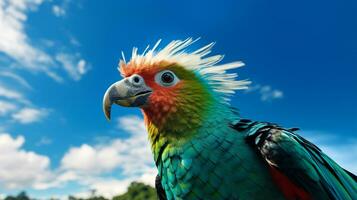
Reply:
x=202 y=147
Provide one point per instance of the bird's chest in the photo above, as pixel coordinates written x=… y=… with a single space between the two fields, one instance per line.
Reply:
x=204 y=168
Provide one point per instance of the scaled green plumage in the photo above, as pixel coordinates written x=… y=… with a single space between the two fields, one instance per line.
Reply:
x=214 y=164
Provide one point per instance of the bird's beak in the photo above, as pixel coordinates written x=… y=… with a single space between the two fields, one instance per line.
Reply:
x=129 y=92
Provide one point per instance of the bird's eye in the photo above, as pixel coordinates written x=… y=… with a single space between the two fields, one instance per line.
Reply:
x=166 y=78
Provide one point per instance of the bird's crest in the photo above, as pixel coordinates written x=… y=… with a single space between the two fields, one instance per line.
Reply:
x=176 y=52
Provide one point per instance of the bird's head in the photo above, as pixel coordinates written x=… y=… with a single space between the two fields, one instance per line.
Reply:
x=173 y=87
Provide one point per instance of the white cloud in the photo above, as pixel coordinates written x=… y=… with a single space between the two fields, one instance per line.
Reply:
x=131 y=155
x=6 y=107
x=16 y=44
x=10 y=94
x=58 y=11
x=17 y=78
x=109 y=187
x=267 y=93
x=15 y=107
x=81 y=67
x=44 y=141
x=94 y=160
x=132 y=124
x=75 y=67
x=13 y=40
x=20 y=168
x=105 y=187
x=29 y=115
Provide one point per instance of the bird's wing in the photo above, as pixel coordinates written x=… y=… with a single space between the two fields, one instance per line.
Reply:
x=159 y=189
x=300 y=161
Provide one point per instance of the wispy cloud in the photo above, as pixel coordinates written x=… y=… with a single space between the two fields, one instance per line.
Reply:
x=266 y=92
x=14 y=95
x=6 y=107
x=24 y=54
x=15 y=107
x=44 y=141
x=75 y=66
x=19 y=52
x=14 y=42
x=58 y=11
x=29 y=115
x=17 y=78
x=10 y=94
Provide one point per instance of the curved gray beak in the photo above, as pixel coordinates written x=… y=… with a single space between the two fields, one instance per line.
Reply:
x=129 y=92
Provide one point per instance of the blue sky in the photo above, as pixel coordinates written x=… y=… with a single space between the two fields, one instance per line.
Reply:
x=58 y=57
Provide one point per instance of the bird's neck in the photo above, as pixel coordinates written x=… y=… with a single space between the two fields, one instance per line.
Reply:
x=176 y=129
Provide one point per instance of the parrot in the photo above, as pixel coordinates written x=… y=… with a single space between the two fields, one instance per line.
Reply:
x=202 y=147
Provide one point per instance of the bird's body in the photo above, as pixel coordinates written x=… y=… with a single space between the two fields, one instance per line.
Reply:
x=201 y=146
x=222 y=160
x=215 y=163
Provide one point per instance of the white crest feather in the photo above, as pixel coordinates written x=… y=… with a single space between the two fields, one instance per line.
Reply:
x=207 y=66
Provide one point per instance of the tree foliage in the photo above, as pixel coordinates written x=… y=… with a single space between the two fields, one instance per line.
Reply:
x=136 y=191
x=90 y=198
x=21 y=196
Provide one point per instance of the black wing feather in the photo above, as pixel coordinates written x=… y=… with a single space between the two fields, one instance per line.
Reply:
x=159 y=189
x=300 y=160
